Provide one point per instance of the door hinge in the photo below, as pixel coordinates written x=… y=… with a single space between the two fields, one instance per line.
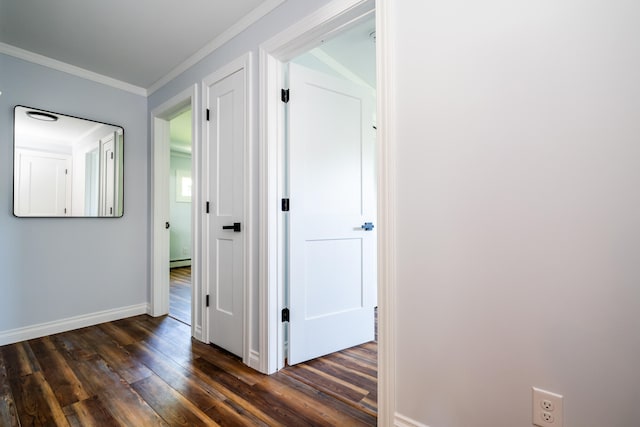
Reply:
x=206 y=301
x=207 y=207
x=285 y=205
x=207 y=114
x=66 y=171
x=285 y=314
x=111 y=155
x=284 y=95
x=65 y=210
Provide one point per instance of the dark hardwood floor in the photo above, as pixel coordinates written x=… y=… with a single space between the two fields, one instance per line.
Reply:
x=180 y=294
x=146 y=371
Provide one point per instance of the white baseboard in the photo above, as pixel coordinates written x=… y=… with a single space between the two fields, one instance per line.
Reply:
x=180 y=263
x=402 y=421
x=43 y=329
x=197 y=334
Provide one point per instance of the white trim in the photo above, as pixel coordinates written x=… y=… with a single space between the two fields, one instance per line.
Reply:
x=245 y=63
x=387 y=202
x=254 y=360
x=70 y=323
x=245 y=22
x=402 y=421
x=159 y=241
x=45 y=61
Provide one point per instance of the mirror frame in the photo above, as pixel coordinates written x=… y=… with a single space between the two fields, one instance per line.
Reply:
x=110 y=146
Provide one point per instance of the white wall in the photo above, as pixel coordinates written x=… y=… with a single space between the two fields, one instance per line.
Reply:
x=519 y=210
x=58 y=268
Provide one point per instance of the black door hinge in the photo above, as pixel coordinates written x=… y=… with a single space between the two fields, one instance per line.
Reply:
x=285 y=314
x=206 y=301
x=207 y=114
x=112 y=155
x=284 y=95
x=207 y=207
x=285 y=205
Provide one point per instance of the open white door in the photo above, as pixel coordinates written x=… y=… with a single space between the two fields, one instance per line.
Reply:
x=332 y=247
x=224 y=138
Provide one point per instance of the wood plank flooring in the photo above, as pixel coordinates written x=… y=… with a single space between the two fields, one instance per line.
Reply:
x=180 y=294
x=146 y=371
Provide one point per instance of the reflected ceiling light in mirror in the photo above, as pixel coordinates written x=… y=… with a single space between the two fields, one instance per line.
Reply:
x=39 y=115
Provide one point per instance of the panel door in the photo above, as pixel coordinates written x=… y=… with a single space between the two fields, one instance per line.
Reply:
x=43 y=187
x=332 y=258
x=225 y=141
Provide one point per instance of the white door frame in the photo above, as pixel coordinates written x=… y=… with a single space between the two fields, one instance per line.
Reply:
x=273 y=53
x=160 y=155
x=244 y=62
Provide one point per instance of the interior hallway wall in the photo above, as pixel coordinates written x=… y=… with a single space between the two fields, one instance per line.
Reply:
x=59 y=268
x=518 y=210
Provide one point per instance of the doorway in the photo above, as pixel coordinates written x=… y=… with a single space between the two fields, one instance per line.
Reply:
x=274 y=53
x=180 y=214
x=330 y=233
x=163 y=195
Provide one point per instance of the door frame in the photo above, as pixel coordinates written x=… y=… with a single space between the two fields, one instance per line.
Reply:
x=244 y=62
x=273 y=54
x=160 y=238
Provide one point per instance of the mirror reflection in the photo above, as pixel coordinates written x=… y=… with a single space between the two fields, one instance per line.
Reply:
x=66 y=166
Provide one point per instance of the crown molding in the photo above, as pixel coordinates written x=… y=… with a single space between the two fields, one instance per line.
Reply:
x=244 y=23
x=45 y=61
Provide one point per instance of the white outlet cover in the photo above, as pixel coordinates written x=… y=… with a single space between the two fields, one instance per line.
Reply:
x=551 y=417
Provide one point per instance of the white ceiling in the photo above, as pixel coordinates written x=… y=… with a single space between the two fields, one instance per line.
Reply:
x=138 y=42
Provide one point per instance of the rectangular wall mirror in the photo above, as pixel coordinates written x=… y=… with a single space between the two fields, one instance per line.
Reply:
x=66 y=166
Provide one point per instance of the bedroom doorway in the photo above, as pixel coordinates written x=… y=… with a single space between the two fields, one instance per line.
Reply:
x=331 y=230
x=180 y=214
x=164 y=194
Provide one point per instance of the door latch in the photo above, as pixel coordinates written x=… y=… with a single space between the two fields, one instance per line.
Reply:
x=235 y=227
x=367 y=226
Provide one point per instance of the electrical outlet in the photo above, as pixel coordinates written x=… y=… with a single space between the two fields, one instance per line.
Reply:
x=547 y=417
x=547 y=408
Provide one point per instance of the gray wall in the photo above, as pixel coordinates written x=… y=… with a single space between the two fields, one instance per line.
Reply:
x=519 y=156
x=54 y=269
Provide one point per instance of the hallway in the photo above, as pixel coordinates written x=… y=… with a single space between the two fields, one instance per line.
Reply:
x=148 y=371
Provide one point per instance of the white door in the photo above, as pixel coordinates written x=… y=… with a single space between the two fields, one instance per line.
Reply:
x=108 y=175
x=332 y=257
x=225 y=139
x=43 y=186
